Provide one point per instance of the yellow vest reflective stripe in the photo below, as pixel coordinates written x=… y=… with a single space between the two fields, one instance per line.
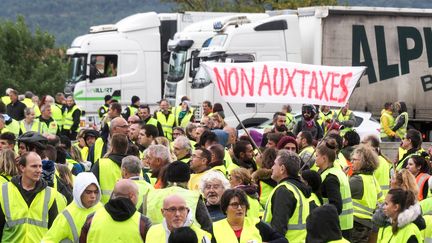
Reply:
x=37 y=126
x=401 y=132
x=57 y=115
x=391 y=123
x=297 y=223
x=314 y=198
x=385 y=234
x=346 y=219
x=105 y=109
x=155 y=201
x=24 y=223
x=157 y=234
x=152 y=122
x=14 y=127
x=382 y=174
x=167 y=124
x=400 y=164
x=104 y=229
x=109 y=174
x=98 y=148
x=224 y=233
x=266 y=190
x=290 y=121
x=365 y=207
x=68 y=118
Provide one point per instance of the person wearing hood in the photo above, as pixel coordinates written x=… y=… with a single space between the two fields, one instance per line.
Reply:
x=308 y=123
x=176 y=214
x=285 y=210
x=28 y=204
x=241 y=178
x=237 y=226
x=68 y=224
x=108 y=170
x=403 y=210
x=118 y=220
x=322 y=225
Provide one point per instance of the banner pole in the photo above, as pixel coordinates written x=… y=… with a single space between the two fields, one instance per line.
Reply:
x=243 y=127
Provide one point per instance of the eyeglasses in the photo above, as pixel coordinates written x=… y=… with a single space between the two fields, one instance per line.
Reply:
x=237 y=205
x=173 y=210
x=210 y=186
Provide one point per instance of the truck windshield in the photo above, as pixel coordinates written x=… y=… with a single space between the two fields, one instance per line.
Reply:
x=177 y=66
x=77 y=68
x=217 y=41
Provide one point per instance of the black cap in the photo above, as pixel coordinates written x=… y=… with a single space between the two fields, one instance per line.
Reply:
x=178 y=171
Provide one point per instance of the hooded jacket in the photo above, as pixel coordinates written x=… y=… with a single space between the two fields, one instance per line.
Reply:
x=61 y=229
x=322 y=225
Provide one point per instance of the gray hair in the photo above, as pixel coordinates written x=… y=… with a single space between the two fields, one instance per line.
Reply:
x=290 y=160
x=28 y=111
x=131 y=164
x=213 y=175
x=159 y=151
x=28 y=94
x=44 y=107
x=184 y=142
x=49 y=98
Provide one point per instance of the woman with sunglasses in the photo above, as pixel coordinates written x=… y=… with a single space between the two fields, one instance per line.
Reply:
x=335 y=187
x=239 y=228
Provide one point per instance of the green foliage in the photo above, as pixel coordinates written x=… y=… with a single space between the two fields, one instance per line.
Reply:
x=29 y=61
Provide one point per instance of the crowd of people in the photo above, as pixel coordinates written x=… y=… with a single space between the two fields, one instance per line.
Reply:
x=170 y=177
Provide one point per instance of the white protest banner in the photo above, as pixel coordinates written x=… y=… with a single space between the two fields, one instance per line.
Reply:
x=283 y=82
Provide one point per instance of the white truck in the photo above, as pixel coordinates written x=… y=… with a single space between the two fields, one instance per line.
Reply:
x=185 y=47
x=124 y=59
x=394 y=44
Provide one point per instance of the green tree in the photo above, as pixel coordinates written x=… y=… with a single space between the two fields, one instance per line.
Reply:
x=246 y=5
x=29 y=61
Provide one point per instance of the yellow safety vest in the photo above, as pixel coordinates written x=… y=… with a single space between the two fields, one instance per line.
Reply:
x=68 y=118
x=427 y=232
x=104 y=229
x=346 y=218
x=14 y=127
x=57 y=115
x=109 y=174
x=391 y=123
x=266 y=190
x=290 y=121
x=155 y=201
x=52 y=127
x=399 y=166
x=255 y=208
x=343 y=240
x=98 y=148
x=143 y=189
x=365 y=207
x=186 y=119
x=167 y=124
x=385 y=234
x=37 y=126
x=153 y=122
x=314 y=198
x=223 y=232
x=382 y=175
x=24 y=223
x=401 y=132
x=229 y=164
x=157 y=234
x=426 y=206
x=342 y=118
x=310 y=150
x=6 y=100
x=323 y=117
x=84 y=153
x=220 y=168
x=67 y=225
x=297 y=223
x=29 y=103
x=132 y=110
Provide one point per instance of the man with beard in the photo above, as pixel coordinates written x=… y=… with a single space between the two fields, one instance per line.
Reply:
x=243 y=155
x=145 y=116
x=308 y=123
x=279 y=126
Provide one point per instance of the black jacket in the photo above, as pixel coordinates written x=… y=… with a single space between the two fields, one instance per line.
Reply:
x=330 y=188
x=16 y=110
x=283 y=204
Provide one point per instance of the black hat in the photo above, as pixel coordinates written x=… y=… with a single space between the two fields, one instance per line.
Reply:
x=178 y=171
x=135 y=99
x=107 y=98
